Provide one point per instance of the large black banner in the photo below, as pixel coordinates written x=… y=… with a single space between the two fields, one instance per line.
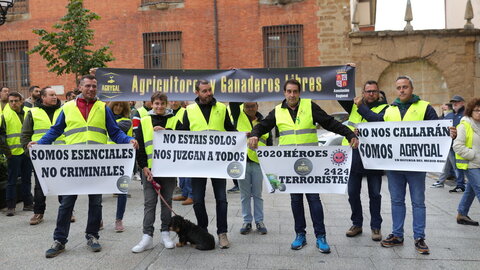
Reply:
x=327 y=83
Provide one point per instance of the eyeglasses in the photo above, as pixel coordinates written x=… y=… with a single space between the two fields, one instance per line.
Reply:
x=372 y=91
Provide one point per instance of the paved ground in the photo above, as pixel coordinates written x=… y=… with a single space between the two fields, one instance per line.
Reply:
x=452 y=246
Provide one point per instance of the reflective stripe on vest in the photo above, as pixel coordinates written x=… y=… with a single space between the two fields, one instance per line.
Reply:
x=42 y=123
x=198 y=122
x=356 y=118
x=79 y=131
x=244 y=124
x=13 y=128
x=462 y=163
x=300 y=132
x=416 y=112
x=147 y=132
x=129 y=132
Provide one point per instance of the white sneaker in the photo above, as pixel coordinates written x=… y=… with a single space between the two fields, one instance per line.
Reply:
x=145 y=244
x=166 y=240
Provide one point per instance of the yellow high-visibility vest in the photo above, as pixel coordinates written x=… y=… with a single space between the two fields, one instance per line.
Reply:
x=147 y=131
x=244 y=124
x=42 y=123
x=300 y=132
x=79 y=131
x=13 y=126
x=355 y=118
x=198 y=122
x=462 y=163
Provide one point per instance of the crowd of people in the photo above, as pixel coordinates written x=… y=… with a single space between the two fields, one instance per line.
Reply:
x=84 y=119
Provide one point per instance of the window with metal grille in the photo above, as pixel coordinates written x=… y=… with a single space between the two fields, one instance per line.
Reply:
x=153 y=2
x=283 y=45
x=163 y=50
x=19 y=7
x=14 y=69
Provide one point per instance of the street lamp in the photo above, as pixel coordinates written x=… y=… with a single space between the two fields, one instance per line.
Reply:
x=4 y=6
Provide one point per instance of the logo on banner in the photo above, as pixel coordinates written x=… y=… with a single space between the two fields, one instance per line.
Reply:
x=122 y=183
x=235 y=169
x=111 y=86
x=339 y=157
x=303 y=166
x=341 y=79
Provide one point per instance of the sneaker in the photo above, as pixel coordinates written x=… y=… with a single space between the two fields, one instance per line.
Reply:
x=28 y=207
x=144 y=244
x=166 y=240
x=188 y=201
x=136 y=177
x=179 y=198
x=56 y=249
x=421 y=247
x=235 y=189
x=223 y=241
x=119 y=226
x=10 y=212
x=466 y=220
x=299 y=242
x=353 y=231
x=72 y=219
x=246 y=228
x=261 y=229
x=392 y=241
x=101 y=225
x=93 y=244
x=437 y=185
x=457 y=189
x=376 y=235
x=322 y=244
x=36 y=219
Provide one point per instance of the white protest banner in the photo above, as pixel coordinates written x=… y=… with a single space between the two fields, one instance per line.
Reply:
x=212 y=154
x=420 y=146
x=306 y=169
x=83 y=169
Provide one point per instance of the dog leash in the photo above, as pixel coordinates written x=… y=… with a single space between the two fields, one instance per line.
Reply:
x=157 y=188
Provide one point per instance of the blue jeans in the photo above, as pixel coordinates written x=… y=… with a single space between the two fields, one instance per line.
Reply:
x=19 y=165
x=374 y=181
x=186 y=186
x=316 y=213
x=251 y=188
x=471 y=190
x=460 y=175
x=397 y=185
x=65 y=213
x=121 y=205
x=219 y=189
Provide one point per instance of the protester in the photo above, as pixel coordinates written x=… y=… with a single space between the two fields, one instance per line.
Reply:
x=208 y=114
x=37 y=121
x=4 y=98
x=121 y=114
x=70 y=95
x=33 y=98
x=245 y=117
x=370 y=100
x=18 y=163
x=458 y=106
x=407 y=107
x=468 y=158
x=295 y=119
x=86 y=111
x=159 y=118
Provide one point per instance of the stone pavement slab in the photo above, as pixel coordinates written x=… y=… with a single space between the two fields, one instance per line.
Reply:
x=452 y=246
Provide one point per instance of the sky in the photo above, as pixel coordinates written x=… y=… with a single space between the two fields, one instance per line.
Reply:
x=427 y=14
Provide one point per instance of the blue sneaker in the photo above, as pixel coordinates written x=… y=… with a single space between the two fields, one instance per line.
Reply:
x=299 y=242
x=322 y=244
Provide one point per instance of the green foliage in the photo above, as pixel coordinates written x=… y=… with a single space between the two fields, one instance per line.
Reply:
x=69 y=50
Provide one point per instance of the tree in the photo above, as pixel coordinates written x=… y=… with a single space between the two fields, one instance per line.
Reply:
x=69 y=50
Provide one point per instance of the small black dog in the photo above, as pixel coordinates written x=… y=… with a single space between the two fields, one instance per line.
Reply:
x=189 y=232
